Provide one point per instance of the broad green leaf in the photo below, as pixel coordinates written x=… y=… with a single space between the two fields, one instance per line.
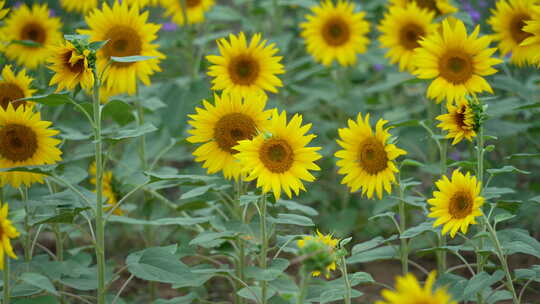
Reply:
x=292 y=219
x=73 y=37
x=158 y=264
x=380 y=253
x=294 y=206
x=97 y=45
x=388 y=214
x=274 y=270
x=39 y=281
x=66 y=216
x=187 y=299
x=136 y=132
x=507 y=169
x=119 y=111
x=208 y=236
x=367 y=245
x=182 y=178
x=180 y=221
x=481 y=281
x=496 y=192
x=416 y=230
x=501 y=217
x=254 y=293
x=132 y=58
x=523 y=155
x=195 y=192
x=53 y=99
x=37 y=300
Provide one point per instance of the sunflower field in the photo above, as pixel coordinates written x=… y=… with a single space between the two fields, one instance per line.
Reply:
x=270 y=151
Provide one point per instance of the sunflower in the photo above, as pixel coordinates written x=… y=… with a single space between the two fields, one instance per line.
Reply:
x=335 y=32
x=320 y=251
x=129 y=34
x=459 y=121
x=13 y=87
x=457 y=202
x=409 y=291
x=7 y=232
x=108 y=191
x=278 y=157
x=219 y=127
x=508 y=20
x=456 y=61
x=3 y=11
x=25 y=140
x=31 y=31
x=532 y=27
x=402 y=28
x=439 y=7
x=245 y=69
x=367 y=158
x=71 y=67
x=143 y=3
x=79 y=6
x=194 y=13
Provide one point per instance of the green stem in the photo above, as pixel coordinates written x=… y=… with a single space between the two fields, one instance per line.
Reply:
x=27 y=228
x=502 y=259
x=264 y=246
x=100 y=225
x=441 y=239
x=5 y=272
x=276 y=17
x=59 y=253
x=402 y=226
x=303 y=286
x=142 y=138
x=240 y=271
x=480 y=176
x=348 y=287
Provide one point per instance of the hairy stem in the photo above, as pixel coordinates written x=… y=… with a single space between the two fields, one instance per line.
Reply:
x=264 y=246
x=348 y=287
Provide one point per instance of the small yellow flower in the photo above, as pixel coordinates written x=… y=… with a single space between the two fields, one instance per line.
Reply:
x=71 y=67
x=320 y=252
x=7 y=232
x=459 y=121
x=14 y=87
x=409 y=291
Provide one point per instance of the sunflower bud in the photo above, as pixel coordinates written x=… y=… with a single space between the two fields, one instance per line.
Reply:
x=319 y=253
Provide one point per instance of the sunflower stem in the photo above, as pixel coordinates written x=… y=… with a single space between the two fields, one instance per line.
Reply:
x=240 y=265
x=404 y=250
x=303 y=285
x=5 y=272
x=347 y=281
x=27 y=228
x=480 y=176
x=264 y=246
x=441 y=239
x=100 y=225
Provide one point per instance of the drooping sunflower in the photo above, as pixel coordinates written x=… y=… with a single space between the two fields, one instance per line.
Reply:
x=455 y=61
x=279 y=157
x=244 y=69
x=457 y=202
x=401 y=30
x=439 y=7
x=129 y=34
x=409 y=291
x=71 y=67
x=532 y=27
x=367 y=157
x=459 y=121
x=320 y=251
x=335 y=32
x=195 y=10
x=79 y=6
x=31 y=31
x=13 y=87
x=507 y=21
x=108 y=190
x=25 y=140
x=220 y=126
x=7 y=232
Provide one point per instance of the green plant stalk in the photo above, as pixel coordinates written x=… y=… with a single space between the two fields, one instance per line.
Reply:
x=59 y=254
x=404 y=250
x=100 y=224
x=348 y=287
x=441 y=239
x=5 y=272
x=27 y=228
x=502 y=259
x=303 y=286
x=264 y=247
x=240 y=265
x=480 y=176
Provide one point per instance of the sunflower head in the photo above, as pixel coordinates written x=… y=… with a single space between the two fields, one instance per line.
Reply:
x=532 y=41
x=14 y=87
x=457 y=62
x=457 y=202
x=71 y=64
x=25 y=140
x=402 y=28
x=438 y=7
x=460 y=121
x=245 y=69
x=335 y=32
x=7 y=232
x=368 y=158
x=409 y=291
x=194 y=10
x=31 y=31
x=278 y=157
x=320 y=252
x=79 y=6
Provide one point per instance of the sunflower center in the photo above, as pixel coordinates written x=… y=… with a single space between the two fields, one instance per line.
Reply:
x=372 y=156
x=516 y=27
x=193 y=3
x=123 y=41
x=461 y=204
x=244 y=70
x=17 y=142
x=410 y=34
x=34 y=32
x=336 y=32
x=77 y=67
x=456 y=67
x=231 y=128
x=429 y=5
x=10 y=92
x=277 y=155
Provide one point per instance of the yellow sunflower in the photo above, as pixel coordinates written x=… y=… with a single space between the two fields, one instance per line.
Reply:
x=79 y=6
x=457 y=202
x=25 y=140
x=459 y=121
x=219 y=127
x=439 y=7
x=278 y=157
x=13 y=87
x=532 y=27
x=401 y=29
x=320 y=251
x=7 y=232
x=409 y=291
x=335 y=32
x=367 y=158
x=194 y=13
x=508 y=20
x=143 y=3
x=31 y=31
x=456 y=61
x=108 y=191
x=129 y=34
x=71 y=67
x=244 y=69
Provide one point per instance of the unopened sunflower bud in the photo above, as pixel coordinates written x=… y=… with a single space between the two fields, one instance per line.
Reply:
x=319 y=253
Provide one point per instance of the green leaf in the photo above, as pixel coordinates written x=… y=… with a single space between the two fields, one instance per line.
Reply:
x=248 y=293
x=507 y=169
x=195 y=192
x=28 y=43
x=66 y=216
x=388 y=214
x=367 y=245
x=249 y=198
x=337 y=294
x=180 y=221
x=523 y=155
x=496 y=192
x=97 y=45
x=130 y=133
x=38 y=280
x=44 y=169
x=187 y=299
x=127 y=59
x=535 y=199
x=72 y=37
x=53 y=99
x=119 y=111
x=412 y=163
x=153 y=103
x=294 y=206
x=481 y=281
x=157 y=264
x=416 y=230
x=209 y=236
x=183 y=179
x=501 y=217
x=292 y=219
x=380 y=253
x=37 y=300
x=518 y=241
x=274 y=270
